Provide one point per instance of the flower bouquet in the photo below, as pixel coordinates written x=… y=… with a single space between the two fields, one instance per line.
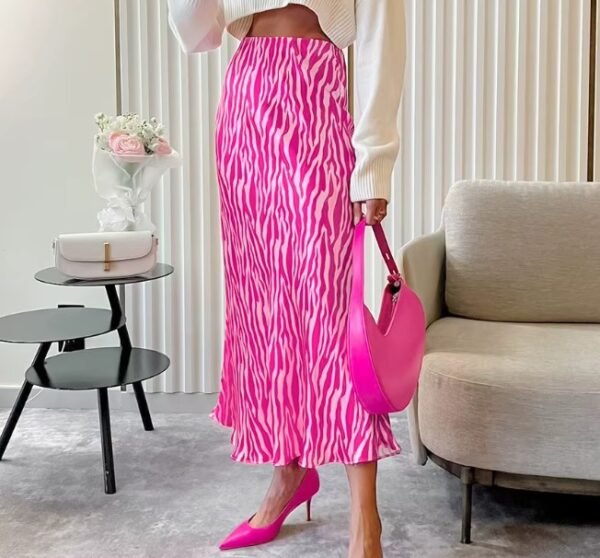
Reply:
x=130 y=156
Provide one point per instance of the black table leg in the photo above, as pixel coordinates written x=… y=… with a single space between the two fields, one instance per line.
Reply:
x=117 y=310
x=106 y=439
x=13 y=418
x=143 y=405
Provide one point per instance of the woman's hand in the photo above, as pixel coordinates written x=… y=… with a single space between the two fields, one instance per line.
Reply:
x=376 y=211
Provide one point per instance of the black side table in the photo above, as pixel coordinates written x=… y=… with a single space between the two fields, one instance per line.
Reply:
x=77 y=368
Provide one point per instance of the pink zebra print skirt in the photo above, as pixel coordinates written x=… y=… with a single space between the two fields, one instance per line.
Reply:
x=284 y=158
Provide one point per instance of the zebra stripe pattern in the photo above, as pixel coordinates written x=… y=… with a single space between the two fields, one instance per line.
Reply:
x=284 y=157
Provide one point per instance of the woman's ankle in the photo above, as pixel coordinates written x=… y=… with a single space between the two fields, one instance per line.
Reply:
x=286 y=479
x=366 y=528
x=365 y=548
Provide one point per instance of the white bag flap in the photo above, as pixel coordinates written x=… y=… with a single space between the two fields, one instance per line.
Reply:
x=89 y=247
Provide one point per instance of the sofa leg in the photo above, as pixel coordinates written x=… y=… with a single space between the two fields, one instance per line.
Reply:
x=466 y=477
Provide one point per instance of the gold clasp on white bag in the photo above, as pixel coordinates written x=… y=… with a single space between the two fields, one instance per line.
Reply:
x=107 y=256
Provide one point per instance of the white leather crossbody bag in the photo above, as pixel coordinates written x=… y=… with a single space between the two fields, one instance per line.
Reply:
x=102 y=255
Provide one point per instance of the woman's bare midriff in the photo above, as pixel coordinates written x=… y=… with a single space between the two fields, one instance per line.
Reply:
x=293 y=20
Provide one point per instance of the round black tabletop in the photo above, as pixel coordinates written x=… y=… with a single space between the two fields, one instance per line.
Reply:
x=58 y=324
x=53 y=276
x=95 y=368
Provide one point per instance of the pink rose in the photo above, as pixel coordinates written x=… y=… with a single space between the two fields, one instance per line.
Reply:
x=124 y=144
x=163 y=147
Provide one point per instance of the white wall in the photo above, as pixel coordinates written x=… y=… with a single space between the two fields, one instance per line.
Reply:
x=57 y=70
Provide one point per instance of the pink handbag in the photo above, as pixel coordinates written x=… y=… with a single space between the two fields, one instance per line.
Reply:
x=385 y=356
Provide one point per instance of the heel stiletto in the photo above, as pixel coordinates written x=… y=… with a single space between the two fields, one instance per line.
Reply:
x=246 y=535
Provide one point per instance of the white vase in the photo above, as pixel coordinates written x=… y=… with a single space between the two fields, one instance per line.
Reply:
x=126 y=182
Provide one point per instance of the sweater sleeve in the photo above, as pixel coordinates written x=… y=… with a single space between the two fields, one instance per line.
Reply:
x=198 y=25
x=380 y=63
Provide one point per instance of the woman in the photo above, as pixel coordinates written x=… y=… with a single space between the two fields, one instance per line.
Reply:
x=293 y=172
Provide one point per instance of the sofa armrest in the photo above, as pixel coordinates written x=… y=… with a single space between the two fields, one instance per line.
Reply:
x=422 y=263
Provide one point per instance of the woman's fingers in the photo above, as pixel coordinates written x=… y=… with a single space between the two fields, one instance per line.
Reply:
x=376 y=211
x=357 y=211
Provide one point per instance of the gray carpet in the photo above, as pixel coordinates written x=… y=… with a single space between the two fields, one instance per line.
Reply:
x=178 y=494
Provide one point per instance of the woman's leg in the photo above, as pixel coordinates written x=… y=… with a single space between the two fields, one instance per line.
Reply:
x=365 y=525
x=286 y=479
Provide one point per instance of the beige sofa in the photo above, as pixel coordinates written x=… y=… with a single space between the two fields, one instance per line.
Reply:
x=509 y=392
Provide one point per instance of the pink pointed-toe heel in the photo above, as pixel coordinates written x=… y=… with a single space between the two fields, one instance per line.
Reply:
x=246 y=535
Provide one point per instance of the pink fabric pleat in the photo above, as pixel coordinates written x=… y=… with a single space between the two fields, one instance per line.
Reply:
x=284 y=159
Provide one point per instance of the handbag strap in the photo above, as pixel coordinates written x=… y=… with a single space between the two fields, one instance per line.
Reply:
x=358 y=258
x=384 y=247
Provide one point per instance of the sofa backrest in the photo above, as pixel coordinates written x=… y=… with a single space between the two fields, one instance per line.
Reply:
x=523 y=251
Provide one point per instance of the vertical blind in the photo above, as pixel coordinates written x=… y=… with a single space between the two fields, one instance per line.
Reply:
x=492 y=89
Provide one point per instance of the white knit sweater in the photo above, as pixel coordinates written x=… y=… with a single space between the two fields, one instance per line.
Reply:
x=377 y=26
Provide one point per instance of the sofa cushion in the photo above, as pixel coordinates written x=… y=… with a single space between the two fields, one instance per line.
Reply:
x=523 y=251
x=513 y=397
